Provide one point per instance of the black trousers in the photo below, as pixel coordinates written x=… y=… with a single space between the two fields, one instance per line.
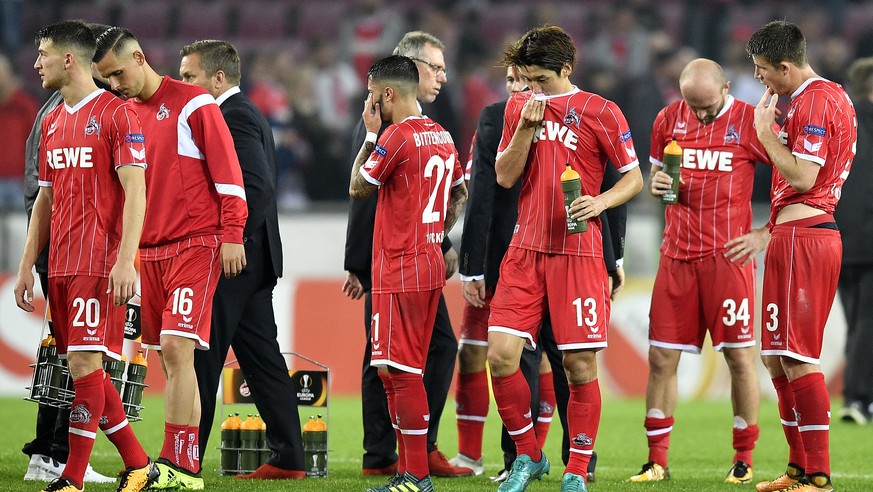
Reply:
x=242 y=317
x=379 y=438
x=856 y=294
x=52 y=424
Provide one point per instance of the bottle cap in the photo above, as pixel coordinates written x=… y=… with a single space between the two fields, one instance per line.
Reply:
x=569 y=174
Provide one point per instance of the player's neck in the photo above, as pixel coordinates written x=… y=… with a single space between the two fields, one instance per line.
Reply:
x=79 y=87
x=403 y=110
x=151 y=84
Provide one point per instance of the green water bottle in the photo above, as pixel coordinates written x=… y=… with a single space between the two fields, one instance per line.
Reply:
x=136 y=374
x=115 y=369
x=248 y=437
x=673 y=167
x=572 y=187
x=230 y=444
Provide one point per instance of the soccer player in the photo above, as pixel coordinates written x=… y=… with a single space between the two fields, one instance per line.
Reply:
x=546 y=268
x=193 y=230
x=242 y=309
x=415 y=165
x=92 y=201
x=708 y=235
x=812 y=155
x=379 y=437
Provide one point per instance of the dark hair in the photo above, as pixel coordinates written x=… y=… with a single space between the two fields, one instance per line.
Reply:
x=777 y=42
x=216 y=55
x=860 y=78
x=71 y=34
x=113 y=39
x=398 y=69
x=547 y=46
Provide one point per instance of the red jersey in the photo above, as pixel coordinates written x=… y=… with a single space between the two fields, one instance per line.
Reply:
x=415 y=166
x=80 y=150
x=820 y=127
x=579 y=128
x=718 y=167
x=194 y=186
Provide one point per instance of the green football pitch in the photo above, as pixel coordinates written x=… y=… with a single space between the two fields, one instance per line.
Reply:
x=700 y=451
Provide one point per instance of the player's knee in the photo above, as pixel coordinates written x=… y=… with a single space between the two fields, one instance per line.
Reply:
x=502 y=362
x=663 y=362
x=580 y=367
x=82 y=364
x=471 y=358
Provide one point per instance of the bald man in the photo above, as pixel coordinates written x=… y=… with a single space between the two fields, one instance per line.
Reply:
x=708 y=235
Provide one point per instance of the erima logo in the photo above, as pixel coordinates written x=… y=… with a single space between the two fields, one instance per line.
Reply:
x=92 y=127
x=811 y=147
x=138 y=154
x=680 y=127
x=80 y=415
x=51 y=129
x=582 y=439
x=163 y=112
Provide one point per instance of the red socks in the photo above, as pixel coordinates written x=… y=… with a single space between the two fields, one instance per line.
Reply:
x=744 y=443
x=547 y=408
x=118 y=431
x=193 y=449
x=85 y=413
x=513 y=403
x=175 y=438
x=813 y=421
x=786 y=403
x=471 y=401
x=412 y=420
x=392 y=412
x=583 y=418
x=658 y=434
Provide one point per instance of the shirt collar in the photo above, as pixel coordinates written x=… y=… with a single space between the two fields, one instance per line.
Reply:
x=226 y=94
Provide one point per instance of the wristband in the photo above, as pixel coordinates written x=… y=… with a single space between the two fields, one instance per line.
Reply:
x=371 y=137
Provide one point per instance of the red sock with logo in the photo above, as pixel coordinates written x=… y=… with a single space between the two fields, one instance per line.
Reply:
x=513 y=404
x=193 y=449
x=118 y=431
x=471 y=399
x=85 y=413
x=412 y=418
x=785 y=401
x=174 y=443
x=547 y=408
x=583 y=419
x=392 y=413
x=658 y=434
x=813 y=411
x=744 y=443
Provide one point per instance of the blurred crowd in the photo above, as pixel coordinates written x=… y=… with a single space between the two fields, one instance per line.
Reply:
x=305 y=62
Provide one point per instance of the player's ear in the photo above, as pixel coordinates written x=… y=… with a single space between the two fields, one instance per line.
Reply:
x=138 y=57
x=566 y=70
x=389 y=94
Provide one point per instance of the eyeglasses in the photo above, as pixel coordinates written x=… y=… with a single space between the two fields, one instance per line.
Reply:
x=438 y=70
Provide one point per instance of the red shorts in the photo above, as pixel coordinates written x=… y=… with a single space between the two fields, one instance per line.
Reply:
x=474 y=325
x=401 y=328
x=84 y=317
x=177 y=295
x=574 y=290
x=801 y=269
x=690 y=297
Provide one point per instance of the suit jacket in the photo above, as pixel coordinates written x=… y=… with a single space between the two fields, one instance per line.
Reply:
x=253 y=141
x=362 y=223
x=492 y=210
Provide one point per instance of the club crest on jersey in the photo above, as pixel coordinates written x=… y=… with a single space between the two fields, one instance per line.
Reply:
x=572 y=118
x=732 y=136
x=80 y=415
x=163 y=112
x=92 y=127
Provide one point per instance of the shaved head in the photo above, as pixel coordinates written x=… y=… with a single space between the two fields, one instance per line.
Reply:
x=704 y=87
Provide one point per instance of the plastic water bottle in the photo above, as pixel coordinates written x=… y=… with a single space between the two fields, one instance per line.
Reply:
x=572 y=187
x=136 y=374
x=230 y=443
x=115 y=369
x=673 y=167
x=248 y=436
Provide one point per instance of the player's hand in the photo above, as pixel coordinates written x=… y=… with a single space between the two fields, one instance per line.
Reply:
x=450 y=257
x=587 y=207
x=122 y=282
x=24 y=290
x=745 y=247
x=233 y=259
x=474 y=292
x=662 y=183
x=617 y=279
x=352 y=287
x=532 y=113
x=372 y=114
x=766 y=112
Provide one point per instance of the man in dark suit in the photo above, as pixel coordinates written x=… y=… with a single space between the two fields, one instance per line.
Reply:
x=488 y=228
x=380 y=441
x=242 y=311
